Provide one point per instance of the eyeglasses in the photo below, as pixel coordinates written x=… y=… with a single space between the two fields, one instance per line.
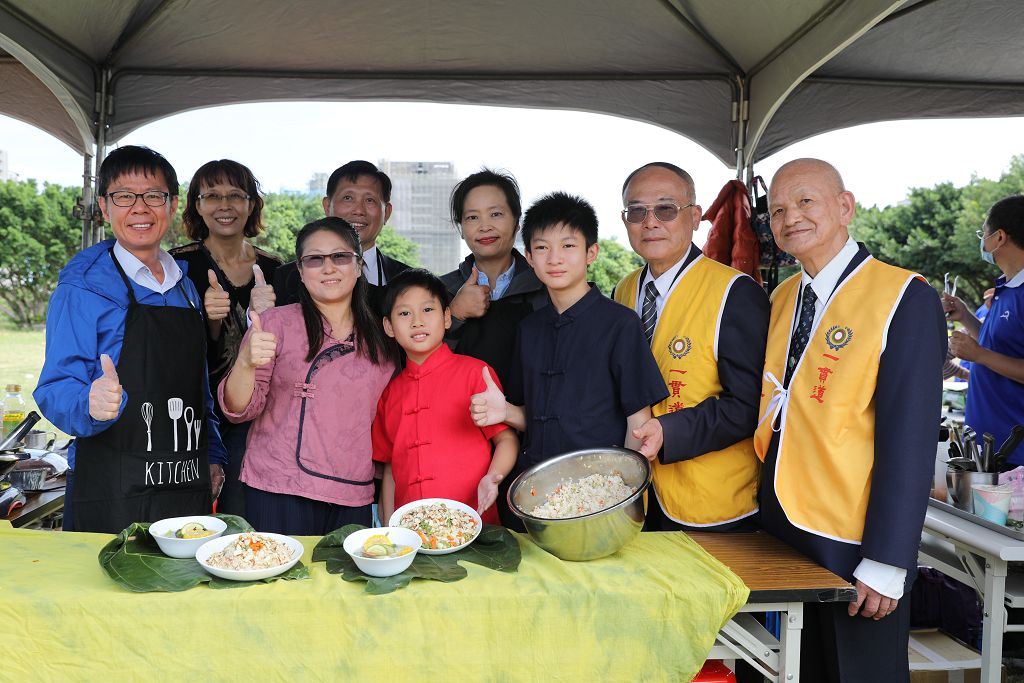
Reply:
x=982 y=235
x=338 y=258
x=125 y=199
x=236 y=198
x=666 y=212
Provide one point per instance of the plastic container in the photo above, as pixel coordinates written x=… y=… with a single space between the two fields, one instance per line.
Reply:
x=14 y=408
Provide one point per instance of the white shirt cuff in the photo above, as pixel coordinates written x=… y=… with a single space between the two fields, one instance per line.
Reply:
x=884 y=578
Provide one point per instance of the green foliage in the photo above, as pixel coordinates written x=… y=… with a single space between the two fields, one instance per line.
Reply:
x=38 y=235
x=495 y=548
x=283 y=217
x=135 y=561
x=932 y=233
x=394 y=245
x=613 y=263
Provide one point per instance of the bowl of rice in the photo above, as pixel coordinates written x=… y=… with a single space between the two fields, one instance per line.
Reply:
x=585 y=504
x=445 y=525
x=249 y=556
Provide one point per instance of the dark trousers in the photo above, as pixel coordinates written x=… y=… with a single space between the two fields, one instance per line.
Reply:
x=838 y=648
x=281 y=513
x=232 y=497
x=69 y=519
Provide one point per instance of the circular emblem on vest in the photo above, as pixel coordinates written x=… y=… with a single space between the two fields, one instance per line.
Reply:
x=679 y=347
x=838 y=336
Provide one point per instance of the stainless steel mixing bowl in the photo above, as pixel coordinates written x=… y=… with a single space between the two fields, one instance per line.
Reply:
x=590 y=536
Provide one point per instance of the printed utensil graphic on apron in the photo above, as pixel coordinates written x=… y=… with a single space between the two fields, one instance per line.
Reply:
x=188 y=426
x=147 y=417
x=174 y=406
x=199 y=426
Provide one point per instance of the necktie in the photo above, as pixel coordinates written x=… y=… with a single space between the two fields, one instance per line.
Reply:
x=802 y=333
x=649 y=311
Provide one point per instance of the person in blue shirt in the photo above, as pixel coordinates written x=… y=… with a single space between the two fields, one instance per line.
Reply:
x=125 y=367
x=995 y=347
x=582 y=375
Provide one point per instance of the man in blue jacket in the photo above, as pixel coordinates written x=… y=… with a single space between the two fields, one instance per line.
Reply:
x=125 y=369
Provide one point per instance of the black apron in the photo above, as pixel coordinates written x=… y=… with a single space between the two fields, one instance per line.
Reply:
x=147 y=465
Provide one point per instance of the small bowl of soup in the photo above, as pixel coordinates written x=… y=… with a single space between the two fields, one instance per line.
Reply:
x=181 y=536
x=384 y=551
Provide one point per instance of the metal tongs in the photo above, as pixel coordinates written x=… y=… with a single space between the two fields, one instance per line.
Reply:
x=948 y=288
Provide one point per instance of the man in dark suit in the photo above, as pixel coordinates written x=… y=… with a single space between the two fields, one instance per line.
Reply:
x=360 y=193
x=849 y=421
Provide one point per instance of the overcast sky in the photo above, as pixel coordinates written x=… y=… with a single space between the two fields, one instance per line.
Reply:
x=588 y=154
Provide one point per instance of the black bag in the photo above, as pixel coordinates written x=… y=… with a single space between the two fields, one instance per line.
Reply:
x=772 y=258
x=937 y=601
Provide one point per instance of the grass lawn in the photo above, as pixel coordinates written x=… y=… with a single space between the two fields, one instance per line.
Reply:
x=21 y=359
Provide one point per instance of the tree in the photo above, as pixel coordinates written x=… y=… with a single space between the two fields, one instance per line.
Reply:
x=927 y=234
x=38 y=236
x=933 y=231
x=614 y=262
x=283 y=217
x=285 y=214
x=398 y=247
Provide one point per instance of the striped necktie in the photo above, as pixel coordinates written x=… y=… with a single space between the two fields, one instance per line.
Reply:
x=802 y=333
x=649 y=312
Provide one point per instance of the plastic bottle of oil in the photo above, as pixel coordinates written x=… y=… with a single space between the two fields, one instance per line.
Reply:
x=14 y=408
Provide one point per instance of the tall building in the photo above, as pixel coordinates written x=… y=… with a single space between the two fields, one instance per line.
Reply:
x=419 y=195
x=318 y=184
x=5 y=171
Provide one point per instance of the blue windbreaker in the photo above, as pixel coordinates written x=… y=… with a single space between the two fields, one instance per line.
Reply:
x=85 y=319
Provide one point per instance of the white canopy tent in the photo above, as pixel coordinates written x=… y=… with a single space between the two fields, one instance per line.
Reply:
x=743 y=79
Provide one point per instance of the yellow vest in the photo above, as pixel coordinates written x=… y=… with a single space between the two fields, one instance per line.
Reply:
x=826 y=422
x=720 y=486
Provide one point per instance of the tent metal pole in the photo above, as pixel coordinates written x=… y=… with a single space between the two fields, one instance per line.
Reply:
x=88 y=200
x=101 y=152
x=740 y=111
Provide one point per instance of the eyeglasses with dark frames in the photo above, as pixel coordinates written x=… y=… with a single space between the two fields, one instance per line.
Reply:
x=338 y=258
x=664 y=212
x=125 y=199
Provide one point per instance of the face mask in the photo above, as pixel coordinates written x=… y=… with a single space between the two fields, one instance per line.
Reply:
x=986 y=256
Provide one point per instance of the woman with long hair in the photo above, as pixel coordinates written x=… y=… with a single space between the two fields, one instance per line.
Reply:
x=223 y=211
x=309 y=375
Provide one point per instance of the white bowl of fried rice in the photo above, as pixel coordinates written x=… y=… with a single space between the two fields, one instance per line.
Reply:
x=249 y=556
x=445 y=525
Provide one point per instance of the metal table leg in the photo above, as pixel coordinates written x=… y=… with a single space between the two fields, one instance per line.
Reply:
x=993 y=620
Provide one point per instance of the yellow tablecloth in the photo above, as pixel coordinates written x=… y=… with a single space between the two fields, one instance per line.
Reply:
x=648 y=613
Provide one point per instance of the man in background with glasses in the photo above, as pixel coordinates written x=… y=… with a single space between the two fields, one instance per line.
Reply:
x=360 y=193
x=995 y=346
x=707 y=325
x=125 y=368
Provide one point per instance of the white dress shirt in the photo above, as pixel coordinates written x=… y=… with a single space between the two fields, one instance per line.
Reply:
x=664 y=283
x=372 y=268
x=141 y=274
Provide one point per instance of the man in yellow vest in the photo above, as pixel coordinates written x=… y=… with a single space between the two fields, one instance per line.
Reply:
x=706 y=324
x=850 y=407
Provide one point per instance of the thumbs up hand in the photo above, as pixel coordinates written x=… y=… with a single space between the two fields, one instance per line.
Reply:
x=105 y=392
x=472 y=299
x=262 y=296
x=258 y=347
x=489 y=406
x=216 y=301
